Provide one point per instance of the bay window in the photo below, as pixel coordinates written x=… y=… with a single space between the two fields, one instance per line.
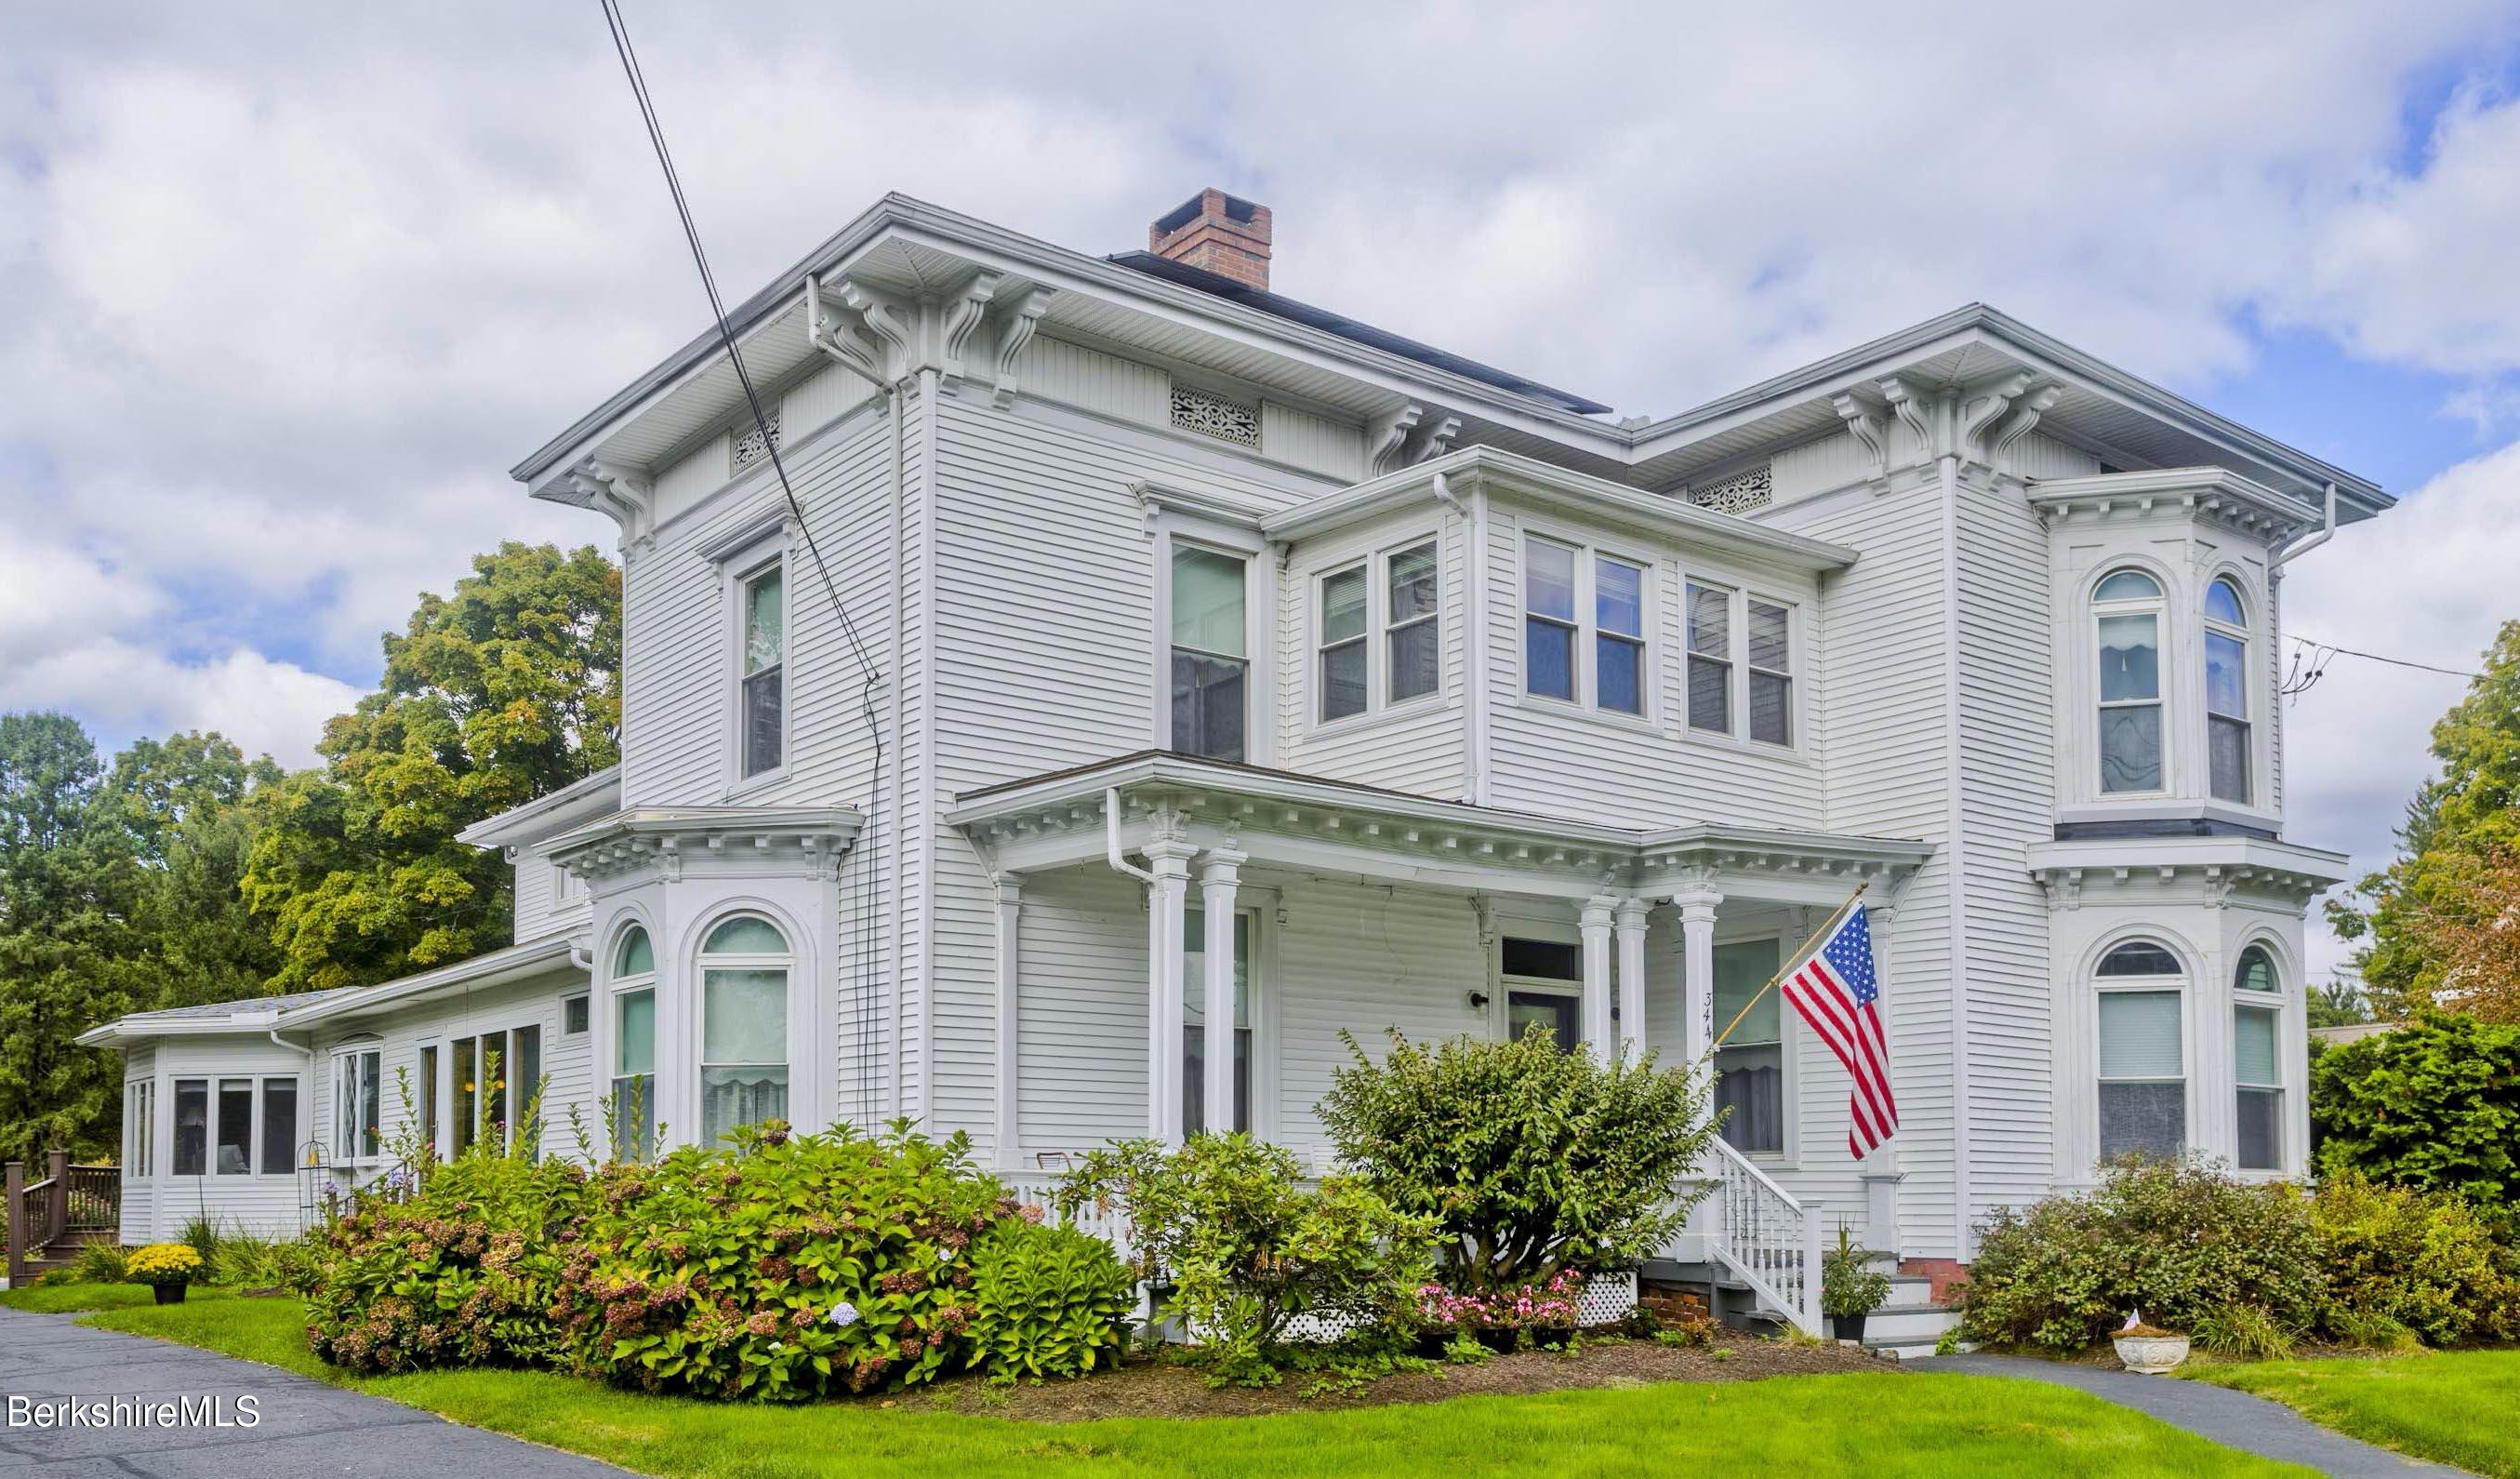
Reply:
x=1195 y=1024
x=1547 y=620
x=1376 y=637
x=1411 y=637
x=1211 y=664
x=2143 y=1053
x=744 y=1026
x=2127 y=613
x=1772 y=672
x=2227 y=754
x=763 y=697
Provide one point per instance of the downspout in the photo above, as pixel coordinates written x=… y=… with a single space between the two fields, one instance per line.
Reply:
x=2325 y=531
x=1112 y=838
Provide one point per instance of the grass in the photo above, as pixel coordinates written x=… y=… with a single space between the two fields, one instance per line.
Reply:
x=1890 y=1423
x=2452 y=1406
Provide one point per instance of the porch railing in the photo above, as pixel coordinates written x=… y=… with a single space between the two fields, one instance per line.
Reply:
x=1039 y=1188
x=1767 y=1239
x=67 y=1199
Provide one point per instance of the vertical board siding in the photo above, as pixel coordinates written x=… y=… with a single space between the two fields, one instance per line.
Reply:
x=1090 y=380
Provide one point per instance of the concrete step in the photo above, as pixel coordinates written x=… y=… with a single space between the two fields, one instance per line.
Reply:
x=1910 y=1349
x=1910 y=1322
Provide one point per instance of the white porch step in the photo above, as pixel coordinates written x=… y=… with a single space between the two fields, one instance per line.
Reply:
x=1908 y=1350
x=1904 y=1322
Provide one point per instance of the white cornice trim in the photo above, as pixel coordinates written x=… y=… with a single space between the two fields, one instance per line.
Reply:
x=2215 y=491
x=573 y=805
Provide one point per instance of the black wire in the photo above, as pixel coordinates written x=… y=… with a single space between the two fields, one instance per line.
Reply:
x=2373 y=657
x=629 y=55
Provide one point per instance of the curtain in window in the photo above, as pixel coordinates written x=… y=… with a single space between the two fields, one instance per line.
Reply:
x=2256 y=1067
x=1749 y=1069
x=2142 y=1093
x=743 y=1049
x=634 y=1069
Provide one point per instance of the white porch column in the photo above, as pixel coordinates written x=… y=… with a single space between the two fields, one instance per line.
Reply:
x=1219 y=872
x=1697 y=970
x=1010 y=886
x=1630 y=928
x=1167 y=900
x=1599 y=1038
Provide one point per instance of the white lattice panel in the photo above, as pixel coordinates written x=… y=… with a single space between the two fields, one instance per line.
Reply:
x=1740 y=494
x=1212 y=415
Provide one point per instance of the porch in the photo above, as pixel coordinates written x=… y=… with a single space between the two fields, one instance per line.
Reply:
x=51 y=1217
x=1158 y=913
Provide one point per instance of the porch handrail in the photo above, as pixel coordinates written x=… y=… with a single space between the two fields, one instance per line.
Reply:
x=1766 y=1237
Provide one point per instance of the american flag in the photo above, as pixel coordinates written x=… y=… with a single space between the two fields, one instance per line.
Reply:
x=1836 y=990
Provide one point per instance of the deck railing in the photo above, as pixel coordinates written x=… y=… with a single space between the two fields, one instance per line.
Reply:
x=1764 y=1237
x=67 y=1199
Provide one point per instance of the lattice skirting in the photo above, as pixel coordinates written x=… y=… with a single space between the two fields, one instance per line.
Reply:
x=1607 y=1300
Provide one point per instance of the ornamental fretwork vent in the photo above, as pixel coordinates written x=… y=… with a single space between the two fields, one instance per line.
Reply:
x=754 y=446
x=1740 y=494
x=1212 y=415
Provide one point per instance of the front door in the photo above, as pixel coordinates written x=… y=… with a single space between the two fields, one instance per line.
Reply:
x=1563 y=1014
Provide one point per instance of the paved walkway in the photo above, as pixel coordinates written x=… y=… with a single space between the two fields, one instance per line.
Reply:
x=2235 y=1419
x=306 y=1428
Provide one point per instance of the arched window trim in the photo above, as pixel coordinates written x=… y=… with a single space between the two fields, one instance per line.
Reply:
x=2117 y=1085
x=2270 y=994
x=753 y=1086
x=630 y=998
x=2122 y=715
x=2230 y=726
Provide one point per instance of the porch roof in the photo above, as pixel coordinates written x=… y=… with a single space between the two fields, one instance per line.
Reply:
x=1057 y=820
x=267 y=1014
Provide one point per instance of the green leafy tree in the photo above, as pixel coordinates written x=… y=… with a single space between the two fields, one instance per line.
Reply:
x=506 y=690
x=190 y=806
x=2460 y=832
x=67 y=885
x=2434 y=1105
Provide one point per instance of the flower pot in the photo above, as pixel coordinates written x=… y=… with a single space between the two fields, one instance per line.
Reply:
x=2152 y=1354
x=168 y=1294
x=1850 y=1326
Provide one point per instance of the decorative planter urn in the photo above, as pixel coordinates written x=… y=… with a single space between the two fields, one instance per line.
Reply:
x=2152 y=1354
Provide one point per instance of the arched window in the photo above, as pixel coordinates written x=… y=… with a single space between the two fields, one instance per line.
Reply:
x=2143 y=1036
x=2125 y=610
x=634 y=1045
x=2226 y=692
x=744 y=1026
x=2257 y=1063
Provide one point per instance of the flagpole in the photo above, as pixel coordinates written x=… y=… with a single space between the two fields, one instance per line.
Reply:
x=1794 y=959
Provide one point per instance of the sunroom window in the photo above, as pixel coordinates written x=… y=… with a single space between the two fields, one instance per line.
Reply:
x=1210 y=653
x=744 y=1027
x=2226 y=692
x=2126 y=611
x=358 y=1104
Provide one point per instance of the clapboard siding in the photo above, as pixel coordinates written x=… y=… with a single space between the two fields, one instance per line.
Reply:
x=2008 y=795
x=265 y=1204
x=1417 y=748
x=1546 y=756
x=548 y=902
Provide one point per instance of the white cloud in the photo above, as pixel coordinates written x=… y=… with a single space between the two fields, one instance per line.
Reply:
x=2429 y=581
x=121 y=690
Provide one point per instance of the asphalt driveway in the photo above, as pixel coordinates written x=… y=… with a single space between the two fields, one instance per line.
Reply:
x=303 y=1427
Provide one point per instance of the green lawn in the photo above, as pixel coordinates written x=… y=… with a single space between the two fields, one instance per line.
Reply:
x=2455 y=1407
x=1890 y=1423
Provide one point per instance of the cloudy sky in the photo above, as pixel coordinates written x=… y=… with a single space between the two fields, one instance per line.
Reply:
x=284 y=288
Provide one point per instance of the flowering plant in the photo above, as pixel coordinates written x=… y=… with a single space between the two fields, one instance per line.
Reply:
x=1546 y=1305
x=164 y=1264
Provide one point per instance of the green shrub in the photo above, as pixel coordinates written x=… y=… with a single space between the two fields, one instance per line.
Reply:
x=2434 y=1105
x=2423 y=1260
x=459 y=1270
x=250 y=1261
x=1243 y=1248
x=2370 y=1332
x=202 y=1235
x=1530 y=1160
x=1046 y=1302
x=784 y=1268
x=2244 y=1332
x=101 y=1264
x=2176 y=1239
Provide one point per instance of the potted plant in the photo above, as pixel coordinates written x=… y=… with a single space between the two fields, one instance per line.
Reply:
x=167 y=1269
x=2149 y=1350
x=1850 y=1287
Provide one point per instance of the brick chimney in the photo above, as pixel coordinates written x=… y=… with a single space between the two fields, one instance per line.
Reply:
x=1217 y=233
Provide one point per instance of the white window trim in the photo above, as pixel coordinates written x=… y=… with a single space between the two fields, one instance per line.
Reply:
x=2165 y=643
x=1378 y=702
x=739 y=576
x=586 y=996
x=1166 y=524
x=1737 y=658
x=342 y=1056
x=517 y=1093
x=2251 y=711
x=604 y=1027
x=791 y=963
x=1588 y=552
x=140 y=1127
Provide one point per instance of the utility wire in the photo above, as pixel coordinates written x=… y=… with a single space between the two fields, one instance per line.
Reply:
x=629 y=55
x=2373 y=657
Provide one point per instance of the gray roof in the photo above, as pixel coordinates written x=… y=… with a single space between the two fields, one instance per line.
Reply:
x=240 y=1004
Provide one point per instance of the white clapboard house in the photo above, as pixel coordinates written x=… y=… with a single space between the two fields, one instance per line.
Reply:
x=1155 y=673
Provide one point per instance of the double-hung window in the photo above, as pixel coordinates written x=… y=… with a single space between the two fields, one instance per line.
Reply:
x=1584 y=626
x=2143 y=1058
x=744 y=1027
x=1710 y=658
x=1772 y=672
x=140 y=1126
x=499 y=1088
x=2226 y=692
x=763 y=697
x=2127 y=613
x=1211 y=676
x=1750 y=1066
x=1378 y=638
x=632 y=1114
x=2257 y=1060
